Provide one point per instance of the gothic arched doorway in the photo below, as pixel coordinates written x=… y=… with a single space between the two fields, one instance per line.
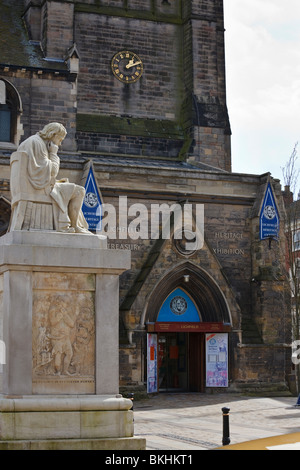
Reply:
x=187 y=321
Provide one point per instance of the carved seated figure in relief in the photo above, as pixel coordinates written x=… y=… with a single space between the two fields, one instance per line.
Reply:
x=39 y=200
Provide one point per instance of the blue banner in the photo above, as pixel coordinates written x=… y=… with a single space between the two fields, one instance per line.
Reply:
x=92 y=204
x=269 y=216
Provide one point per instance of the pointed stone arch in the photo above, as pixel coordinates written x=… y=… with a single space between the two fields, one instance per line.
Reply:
x=201 y=287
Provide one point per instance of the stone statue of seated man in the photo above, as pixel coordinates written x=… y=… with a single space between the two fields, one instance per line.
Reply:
x=39 y=200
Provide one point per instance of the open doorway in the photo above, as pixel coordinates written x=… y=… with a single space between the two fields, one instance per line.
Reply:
x=181 y=364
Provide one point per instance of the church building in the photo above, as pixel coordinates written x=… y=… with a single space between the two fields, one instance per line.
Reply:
x=140 y=87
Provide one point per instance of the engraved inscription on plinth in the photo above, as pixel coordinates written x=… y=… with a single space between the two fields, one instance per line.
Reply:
x=63 y=333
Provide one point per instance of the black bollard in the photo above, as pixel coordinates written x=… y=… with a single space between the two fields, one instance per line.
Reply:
x=226 y=434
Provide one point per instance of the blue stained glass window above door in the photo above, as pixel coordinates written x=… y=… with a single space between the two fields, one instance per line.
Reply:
x=178 y=307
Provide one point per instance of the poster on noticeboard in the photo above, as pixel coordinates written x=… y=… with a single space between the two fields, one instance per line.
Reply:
x=216 y=345
x=152 y=386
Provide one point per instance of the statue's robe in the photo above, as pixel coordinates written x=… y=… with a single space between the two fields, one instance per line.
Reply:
x=43 y=168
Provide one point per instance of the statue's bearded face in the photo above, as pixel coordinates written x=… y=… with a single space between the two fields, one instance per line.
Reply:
x=57 y=139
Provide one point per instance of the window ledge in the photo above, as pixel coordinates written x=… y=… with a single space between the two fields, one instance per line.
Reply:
x=8 y=146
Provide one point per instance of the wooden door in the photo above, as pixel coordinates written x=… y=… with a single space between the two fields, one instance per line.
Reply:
x=196 y=362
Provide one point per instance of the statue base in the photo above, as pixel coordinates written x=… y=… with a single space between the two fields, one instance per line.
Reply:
x=67 y=423
x=120 y=444
x=59 y=316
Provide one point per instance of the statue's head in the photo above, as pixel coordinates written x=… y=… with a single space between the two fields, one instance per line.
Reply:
x=51 y=130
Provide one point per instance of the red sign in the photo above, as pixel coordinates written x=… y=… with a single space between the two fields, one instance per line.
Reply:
x=152 y=353
x=200 y=327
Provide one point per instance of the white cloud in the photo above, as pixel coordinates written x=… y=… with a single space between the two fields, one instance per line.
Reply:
x=263 y=82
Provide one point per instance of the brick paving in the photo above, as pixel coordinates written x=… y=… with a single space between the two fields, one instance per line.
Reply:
x=194 y=421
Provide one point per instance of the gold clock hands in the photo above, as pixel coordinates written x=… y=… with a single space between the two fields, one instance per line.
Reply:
x=122 y=71
x=131 y=63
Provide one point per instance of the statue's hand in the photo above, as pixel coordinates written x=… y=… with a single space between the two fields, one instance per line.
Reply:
x=54 y=159
x=52 y=148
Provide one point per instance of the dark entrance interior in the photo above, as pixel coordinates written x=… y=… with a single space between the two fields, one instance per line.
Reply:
x=181 y=362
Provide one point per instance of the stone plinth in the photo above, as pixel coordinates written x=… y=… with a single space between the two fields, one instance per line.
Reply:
x=65 y=417
x=88 y=422
x=59 y=315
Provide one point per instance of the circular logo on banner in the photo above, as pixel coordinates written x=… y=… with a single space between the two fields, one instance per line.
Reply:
x=269 y=212
x=91 y=200
x=178 y=305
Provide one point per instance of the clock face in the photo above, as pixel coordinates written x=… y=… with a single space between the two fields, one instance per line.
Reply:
x=127 y=67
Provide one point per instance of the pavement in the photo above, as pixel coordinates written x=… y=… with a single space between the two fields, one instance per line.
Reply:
x=194 y=421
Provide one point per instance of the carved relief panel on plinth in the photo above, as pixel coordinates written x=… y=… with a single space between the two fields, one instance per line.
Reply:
x=63 y=328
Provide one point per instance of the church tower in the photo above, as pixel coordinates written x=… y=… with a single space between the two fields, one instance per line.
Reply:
x=206 y=83
x=172 y=103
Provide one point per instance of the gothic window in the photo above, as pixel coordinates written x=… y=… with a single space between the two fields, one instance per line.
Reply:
x=5 y=123
x=10 y=113
x=297 y=241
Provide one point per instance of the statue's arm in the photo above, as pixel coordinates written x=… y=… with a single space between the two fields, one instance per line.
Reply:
x=39 y=164
x=54 y=158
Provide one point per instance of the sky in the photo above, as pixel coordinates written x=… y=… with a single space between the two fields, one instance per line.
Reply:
x=262 y=44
